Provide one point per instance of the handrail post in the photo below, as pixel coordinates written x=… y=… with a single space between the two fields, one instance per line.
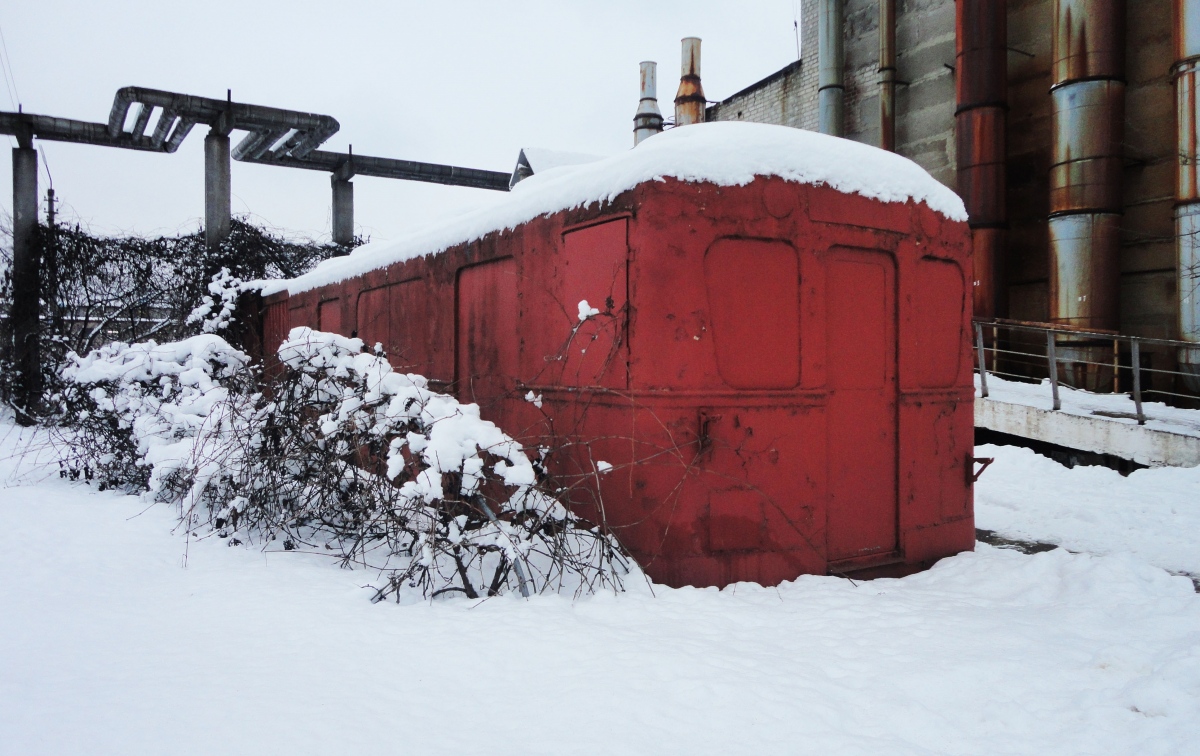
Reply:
x=983 y=390
x=1052 y=362
x=1116 y=366
x=995 y=346
x=1135 y=358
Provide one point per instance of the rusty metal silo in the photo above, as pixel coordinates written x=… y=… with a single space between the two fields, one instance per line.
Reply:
x=1187 y=191
x=1088 y=106
x=981 y=88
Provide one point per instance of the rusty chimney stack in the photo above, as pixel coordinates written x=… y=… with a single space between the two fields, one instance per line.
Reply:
x=648 y=120
x=689 y=100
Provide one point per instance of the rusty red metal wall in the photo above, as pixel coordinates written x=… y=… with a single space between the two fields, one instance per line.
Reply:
x=780 y=374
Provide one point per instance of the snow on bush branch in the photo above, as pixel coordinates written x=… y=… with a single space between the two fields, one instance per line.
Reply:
x=216 y=309
x=333 y=451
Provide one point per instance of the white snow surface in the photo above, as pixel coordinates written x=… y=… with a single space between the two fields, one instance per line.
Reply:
x=723 y=153
x=1152 y=513
x=110 y=645
x=541 y=159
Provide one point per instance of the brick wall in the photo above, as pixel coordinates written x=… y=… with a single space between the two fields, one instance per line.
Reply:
x=787 y=97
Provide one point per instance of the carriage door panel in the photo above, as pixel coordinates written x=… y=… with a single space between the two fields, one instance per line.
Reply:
x=372 y=318
x=861 y=347
x=754 y=304
x=329 y=316
x=414 y=330
x=486 y=334
x=594 y=269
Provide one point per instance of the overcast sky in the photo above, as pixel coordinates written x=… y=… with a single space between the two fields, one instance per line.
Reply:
x=464 y=83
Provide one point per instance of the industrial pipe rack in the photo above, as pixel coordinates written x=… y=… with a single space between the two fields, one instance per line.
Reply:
x=276 y=136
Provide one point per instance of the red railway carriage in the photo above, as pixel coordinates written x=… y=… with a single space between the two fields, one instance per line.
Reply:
x=778 y=372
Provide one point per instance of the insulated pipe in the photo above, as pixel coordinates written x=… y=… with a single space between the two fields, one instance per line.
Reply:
x=832 y=63
x=887 y=75
x=25 y=315
x=1088 y=96
x=690 y=100
x=648 y=120
x=981 y=92
x=1187 y=191
x=312 y=128
x=407 y=170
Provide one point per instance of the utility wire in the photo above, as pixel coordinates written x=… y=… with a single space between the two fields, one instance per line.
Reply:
x=10 y=81
x=10 y=78
x=46 y=163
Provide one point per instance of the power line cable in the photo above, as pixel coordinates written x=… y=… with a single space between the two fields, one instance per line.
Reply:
x=46 y=164
x=10 y=77
x=10 y=80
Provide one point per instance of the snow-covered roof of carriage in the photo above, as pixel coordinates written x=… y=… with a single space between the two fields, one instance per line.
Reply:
x=723 y=153
x=540 y=159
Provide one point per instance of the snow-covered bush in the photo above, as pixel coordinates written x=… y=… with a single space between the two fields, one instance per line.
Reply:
x=132 y=412
x=338 y=453
x=216 y=310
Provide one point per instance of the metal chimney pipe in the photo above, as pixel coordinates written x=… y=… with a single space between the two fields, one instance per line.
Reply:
x=831 y=56
x=1088 y=96
x=981 y=92
x=887 y=75
x=690 y=100
x=648 y=120
x=1187 y=191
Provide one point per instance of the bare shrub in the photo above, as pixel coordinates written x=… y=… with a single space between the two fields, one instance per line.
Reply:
x=334 y=453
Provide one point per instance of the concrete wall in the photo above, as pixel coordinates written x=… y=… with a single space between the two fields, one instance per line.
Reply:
x=925 y=105
x=924 y=63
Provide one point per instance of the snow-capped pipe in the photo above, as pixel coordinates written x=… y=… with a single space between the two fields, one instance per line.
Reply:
x=689 y=100
x=648 y=120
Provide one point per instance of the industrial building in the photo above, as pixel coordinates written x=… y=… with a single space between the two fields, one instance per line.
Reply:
x=1069 y=127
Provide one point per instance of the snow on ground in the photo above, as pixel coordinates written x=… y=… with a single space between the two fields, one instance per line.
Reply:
x=108 y=645
x=726 y=154
x=1153 y=513
x=1159 y=416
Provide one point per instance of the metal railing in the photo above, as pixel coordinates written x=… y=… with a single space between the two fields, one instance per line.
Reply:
x=1015 y=352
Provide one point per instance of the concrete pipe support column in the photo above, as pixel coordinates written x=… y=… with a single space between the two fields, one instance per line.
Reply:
x=343 y=211
x=218 y=205
x=25 y=317
x=981 y=93
x=831 y=57
x=1187 y=192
